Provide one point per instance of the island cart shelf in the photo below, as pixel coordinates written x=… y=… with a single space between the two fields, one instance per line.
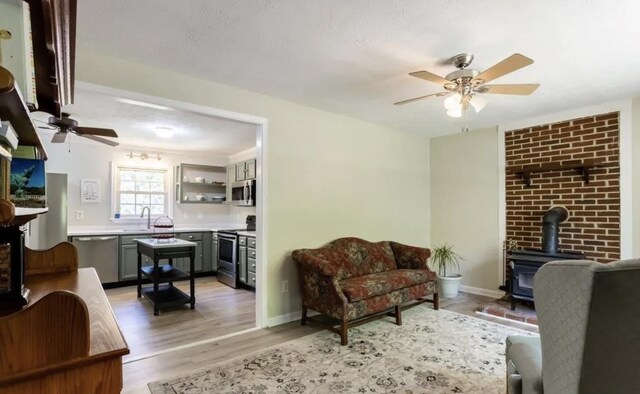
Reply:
x=166 y=295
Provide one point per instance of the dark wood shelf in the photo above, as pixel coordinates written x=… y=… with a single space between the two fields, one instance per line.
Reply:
x=167 y=296
x=583 y=166
x=14 y=110
x=168 y=273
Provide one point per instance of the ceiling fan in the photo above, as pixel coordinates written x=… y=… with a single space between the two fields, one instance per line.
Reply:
x=66 y=125
x=465 y=85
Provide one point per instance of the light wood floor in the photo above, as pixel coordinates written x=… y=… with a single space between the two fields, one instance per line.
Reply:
x=181 y=362
x=220 y=310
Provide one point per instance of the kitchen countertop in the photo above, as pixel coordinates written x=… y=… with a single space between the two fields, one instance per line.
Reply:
x=247 y=233
x=75 y=231
x=158 y=244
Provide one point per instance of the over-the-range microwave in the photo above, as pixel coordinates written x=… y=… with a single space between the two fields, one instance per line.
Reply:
x=243 y=193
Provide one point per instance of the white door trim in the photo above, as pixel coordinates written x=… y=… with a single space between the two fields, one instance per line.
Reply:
x=261 y=174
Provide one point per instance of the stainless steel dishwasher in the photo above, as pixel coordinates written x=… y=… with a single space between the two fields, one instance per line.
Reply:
x=99 y=252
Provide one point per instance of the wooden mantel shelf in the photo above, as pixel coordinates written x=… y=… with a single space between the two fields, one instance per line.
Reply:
x=583 y=166
x=14 y=110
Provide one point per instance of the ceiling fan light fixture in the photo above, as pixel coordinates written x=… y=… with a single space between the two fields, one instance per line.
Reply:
x=478 y=102
x=452 y=103
x=455 y=112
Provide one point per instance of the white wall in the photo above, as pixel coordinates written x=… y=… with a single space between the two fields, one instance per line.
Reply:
x=93 y=160
x=464 y=201
x=467 y=173
x=328 y=175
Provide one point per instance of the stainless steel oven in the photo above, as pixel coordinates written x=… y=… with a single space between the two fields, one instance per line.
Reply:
x=228 y=258
x=243 y=193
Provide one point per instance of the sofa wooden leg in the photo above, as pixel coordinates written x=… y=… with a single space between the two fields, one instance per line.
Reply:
x=398 y=315
x=344 y=329
x=436 y=301
x=303 y=320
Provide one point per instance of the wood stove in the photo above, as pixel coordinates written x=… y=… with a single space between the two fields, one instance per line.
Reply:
x=524 y=263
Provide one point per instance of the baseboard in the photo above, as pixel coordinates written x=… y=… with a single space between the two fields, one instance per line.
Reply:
x=481 y=291
x=287 y=318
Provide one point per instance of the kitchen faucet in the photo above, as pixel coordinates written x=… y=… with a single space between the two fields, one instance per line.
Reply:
x=148 y=216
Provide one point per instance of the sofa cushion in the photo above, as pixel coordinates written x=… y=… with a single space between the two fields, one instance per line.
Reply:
x=367 y=286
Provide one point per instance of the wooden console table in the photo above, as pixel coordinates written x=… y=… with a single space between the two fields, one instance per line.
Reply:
x=67 y=339
x=166 y=296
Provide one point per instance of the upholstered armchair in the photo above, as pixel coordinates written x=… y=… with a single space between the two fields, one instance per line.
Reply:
x=589 y=320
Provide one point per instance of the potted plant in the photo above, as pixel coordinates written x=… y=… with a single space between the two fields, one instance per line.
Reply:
x=445 y=261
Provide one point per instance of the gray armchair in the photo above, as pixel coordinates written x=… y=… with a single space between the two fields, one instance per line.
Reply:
x=589 y=320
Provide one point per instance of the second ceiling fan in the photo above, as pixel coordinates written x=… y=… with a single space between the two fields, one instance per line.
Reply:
x=465 y=85
x=66 y=125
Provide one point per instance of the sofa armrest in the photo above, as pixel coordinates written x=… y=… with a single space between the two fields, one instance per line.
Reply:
x=410 y=257
x=319 y=285
x=314 y=263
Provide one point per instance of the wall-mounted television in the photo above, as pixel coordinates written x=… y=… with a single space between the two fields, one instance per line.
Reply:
x=27 y=183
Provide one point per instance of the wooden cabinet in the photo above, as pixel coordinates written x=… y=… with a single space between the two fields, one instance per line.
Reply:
x=200 y=184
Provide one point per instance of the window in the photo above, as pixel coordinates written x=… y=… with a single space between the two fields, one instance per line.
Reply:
x=136 y=188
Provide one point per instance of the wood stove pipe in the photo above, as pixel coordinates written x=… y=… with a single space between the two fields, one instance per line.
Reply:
x=550 y=222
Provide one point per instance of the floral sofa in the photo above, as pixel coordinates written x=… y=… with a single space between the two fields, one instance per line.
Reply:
x=354 y=281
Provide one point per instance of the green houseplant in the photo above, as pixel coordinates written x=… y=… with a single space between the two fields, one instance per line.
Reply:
x=446 y=263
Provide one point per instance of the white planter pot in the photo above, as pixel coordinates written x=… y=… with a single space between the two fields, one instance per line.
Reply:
x=448 y=286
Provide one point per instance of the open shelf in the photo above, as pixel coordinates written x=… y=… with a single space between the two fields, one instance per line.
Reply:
x=187 y=187
x=14 y=110
x=168 y=273
x=167 y=296
x=583 y=166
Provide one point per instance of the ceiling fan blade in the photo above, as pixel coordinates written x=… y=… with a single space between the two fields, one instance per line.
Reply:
x=523 y=89
x=59 y=137
x=508 y=65
x=47 y=128
x=421 y=98
x=427 y=76
x=95 y=131
x=99 y=139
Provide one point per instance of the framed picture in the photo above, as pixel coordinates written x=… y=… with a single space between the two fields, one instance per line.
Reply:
x=27 y=183
x=90 y=190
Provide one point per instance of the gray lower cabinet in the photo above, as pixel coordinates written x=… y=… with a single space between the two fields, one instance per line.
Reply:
x=129 y=261
x=242 y=261
x=184 y=263
x=247 y=260
x=214 y=252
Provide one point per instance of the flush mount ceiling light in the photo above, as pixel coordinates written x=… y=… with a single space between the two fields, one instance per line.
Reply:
x=164 y=132
x=143 y=104
x=465 y=86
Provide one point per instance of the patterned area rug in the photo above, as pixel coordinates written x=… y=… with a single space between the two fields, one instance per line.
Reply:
x=434 y=351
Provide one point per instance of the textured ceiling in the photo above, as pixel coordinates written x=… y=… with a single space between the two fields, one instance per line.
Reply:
x=352 y=57
x=136 y=126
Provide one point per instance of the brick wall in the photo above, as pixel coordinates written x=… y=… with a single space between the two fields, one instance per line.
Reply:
x=594 y=225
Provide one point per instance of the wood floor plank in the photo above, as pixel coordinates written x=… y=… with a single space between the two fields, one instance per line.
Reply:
x=184 y=361
x=220 y=310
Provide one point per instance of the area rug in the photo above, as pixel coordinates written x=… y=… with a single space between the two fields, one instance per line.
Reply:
x=434 y=352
